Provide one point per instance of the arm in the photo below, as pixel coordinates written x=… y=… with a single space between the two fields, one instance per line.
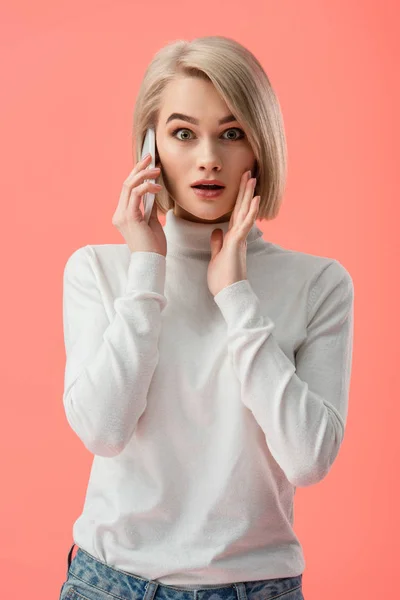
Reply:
x=302 y=409
x=109 y=365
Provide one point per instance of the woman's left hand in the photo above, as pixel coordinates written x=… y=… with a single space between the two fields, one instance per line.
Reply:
x=228 y=254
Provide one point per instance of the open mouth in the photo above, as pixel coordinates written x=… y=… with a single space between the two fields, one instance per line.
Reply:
x=203 y=186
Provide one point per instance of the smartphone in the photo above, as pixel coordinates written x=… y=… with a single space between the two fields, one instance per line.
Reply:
x=149 y=145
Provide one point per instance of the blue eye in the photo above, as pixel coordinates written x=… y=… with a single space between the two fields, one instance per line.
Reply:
x=242 y=134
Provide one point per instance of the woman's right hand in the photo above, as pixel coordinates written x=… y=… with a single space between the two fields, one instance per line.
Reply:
x=128 y=218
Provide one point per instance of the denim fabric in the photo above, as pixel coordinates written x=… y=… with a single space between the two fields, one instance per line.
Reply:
x=90 y=579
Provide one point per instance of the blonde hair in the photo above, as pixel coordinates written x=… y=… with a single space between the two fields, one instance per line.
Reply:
x=245 y=87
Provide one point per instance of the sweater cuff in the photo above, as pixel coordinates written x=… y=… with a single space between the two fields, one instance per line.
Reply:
x=240 y=305
x=146 y=272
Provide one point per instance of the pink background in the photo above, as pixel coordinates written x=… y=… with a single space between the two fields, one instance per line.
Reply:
x=70 y=74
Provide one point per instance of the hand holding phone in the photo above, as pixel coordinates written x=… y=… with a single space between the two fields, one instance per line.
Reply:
x=141 y=235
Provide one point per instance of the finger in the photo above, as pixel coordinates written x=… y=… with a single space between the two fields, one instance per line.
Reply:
x=142 y=172
x=139 y=191
x=242 y=188
x=133 y=181
x=143 y=162
x=135 y=178
x=140 y=165
x=247 y=198
x=249 y=220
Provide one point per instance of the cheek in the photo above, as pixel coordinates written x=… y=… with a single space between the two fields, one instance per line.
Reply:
x=175 y=161
x=175 y=154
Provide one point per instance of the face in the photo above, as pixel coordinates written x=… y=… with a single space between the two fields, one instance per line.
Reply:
x=203 y=150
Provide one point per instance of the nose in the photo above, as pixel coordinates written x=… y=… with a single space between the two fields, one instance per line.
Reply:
x=210 y=163
x=208 y=159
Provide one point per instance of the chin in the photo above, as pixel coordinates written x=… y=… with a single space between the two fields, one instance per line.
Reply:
x=208 y=212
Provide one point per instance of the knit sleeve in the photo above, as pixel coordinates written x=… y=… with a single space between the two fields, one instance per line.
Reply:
x=109 y=365
x=301 y=407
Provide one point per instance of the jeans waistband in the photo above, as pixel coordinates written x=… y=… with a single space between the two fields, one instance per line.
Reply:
x=109 y=580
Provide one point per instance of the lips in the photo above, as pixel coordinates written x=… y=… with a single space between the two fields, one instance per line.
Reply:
x=208 y=192
x=208 y=182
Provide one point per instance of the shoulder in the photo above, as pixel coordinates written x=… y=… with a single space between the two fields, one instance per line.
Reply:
x=95 y=256
x=306 y=267
x=326 y=281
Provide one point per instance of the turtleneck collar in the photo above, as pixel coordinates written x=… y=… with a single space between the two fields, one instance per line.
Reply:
x=189 y=235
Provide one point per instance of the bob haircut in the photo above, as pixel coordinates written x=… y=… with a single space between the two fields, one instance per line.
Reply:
x=245 y=87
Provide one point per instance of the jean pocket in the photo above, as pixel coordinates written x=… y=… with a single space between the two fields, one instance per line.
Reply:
x=81 y=592
x=293 y=594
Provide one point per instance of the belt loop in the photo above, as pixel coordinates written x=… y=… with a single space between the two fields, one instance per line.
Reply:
x=69 y=558
x=150 y=589
x=240 y=591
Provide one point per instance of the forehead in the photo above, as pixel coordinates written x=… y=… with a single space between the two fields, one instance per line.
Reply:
x=194 y=97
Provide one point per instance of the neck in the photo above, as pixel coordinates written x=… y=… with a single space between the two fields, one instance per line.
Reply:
x=183 y=234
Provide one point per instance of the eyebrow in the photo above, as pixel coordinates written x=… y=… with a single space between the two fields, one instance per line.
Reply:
x=227 y=119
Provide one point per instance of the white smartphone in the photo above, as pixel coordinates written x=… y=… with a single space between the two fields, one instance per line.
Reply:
x=149 y=145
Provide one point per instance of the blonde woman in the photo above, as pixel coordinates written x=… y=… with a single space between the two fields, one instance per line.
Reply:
x=207 y=369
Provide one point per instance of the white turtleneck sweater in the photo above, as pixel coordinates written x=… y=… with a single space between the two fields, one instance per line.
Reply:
x=203 y=413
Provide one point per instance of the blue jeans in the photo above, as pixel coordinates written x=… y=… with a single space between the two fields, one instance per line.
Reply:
x=90 y=579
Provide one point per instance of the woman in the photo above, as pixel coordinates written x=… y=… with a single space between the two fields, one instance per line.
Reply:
x=207 y=369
